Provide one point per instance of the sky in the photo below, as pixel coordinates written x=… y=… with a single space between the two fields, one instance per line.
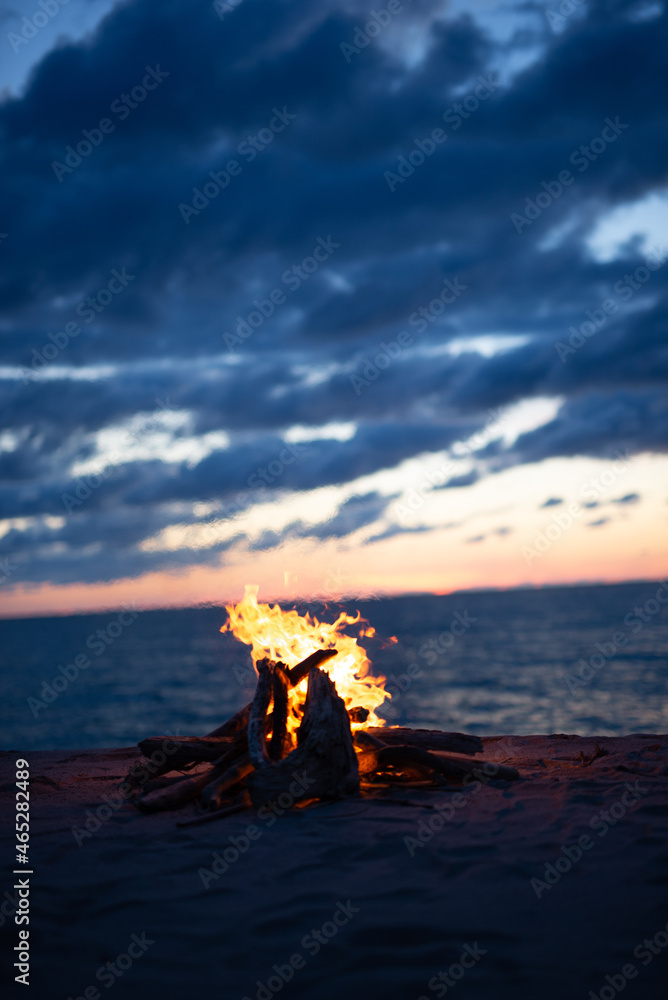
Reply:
x=330 y=299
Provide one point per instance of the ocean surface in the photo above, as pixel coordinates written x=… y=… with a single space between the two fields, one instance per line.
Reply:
x=588 y=660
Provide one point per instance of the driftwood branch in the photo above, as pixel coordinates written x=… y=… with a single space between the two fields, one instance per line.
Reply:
x=324 y=764
x=240 y=719
x=189 y=749
x=428 y=739
x=215 y=792
x=174 y=795
x=416 y=761
x=281 y=743
x=257 y=747
x=241 y=805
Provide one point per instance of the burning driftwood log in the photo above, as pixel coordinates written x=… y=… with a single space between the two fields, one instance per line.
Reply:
x=254 y=757
x=324 y=754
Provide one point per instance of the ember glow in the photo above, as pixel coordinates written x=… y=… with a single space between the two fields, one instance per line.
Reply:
x=290 y=637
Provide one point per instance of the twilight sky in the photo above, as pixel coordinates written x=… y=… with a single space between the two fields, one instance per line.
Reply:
x=330 y=302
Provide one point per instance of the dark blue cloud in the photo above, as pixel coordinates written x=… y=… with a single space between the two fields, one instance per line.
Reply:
x=354 y=513
x=397 y=529
x=602 y=423
x=161 y=338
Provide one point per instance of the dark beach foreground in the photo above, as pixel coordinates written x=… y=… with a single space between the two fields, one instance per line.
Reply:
x=553 y=886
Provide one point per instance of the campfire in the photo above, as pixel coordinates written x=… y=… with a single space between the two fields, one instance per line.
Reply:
x=311 y=731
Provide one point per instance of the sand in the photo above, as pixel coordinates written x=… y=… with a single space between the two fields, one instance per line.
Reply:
x=360 y=898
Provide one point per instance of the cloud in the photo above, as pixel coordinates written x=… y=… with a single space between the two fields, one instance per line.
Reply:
x=629 y=498
x=320 y=176
x=397 y=529
x=604 y=424
x=354 y=513
x=457 y=482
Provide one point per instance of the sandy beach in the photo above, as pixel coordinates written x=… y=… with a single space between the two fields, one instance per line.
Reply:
x=552 y=886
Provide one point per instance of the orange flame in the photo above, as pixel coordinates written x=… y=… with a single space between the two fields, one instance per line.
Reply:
x=289 y=637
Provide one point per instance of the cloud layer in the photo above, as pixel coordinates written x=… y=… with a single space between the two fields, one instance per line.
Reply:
x=304 y=287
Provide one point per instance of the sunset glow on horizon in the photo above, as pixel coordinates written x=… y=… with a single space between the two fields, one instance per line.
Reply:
x=495 y=541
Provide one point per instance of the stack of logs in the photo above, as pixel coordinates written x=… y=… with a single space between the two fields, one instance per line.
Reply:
x=252 y=759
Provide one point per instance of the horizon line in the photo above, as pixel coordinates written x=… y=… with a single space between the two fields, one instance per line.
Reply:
x=344 y=598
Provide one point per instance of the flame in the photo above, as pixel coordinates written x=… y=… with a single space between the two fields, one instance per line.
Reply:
x=290 y=637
